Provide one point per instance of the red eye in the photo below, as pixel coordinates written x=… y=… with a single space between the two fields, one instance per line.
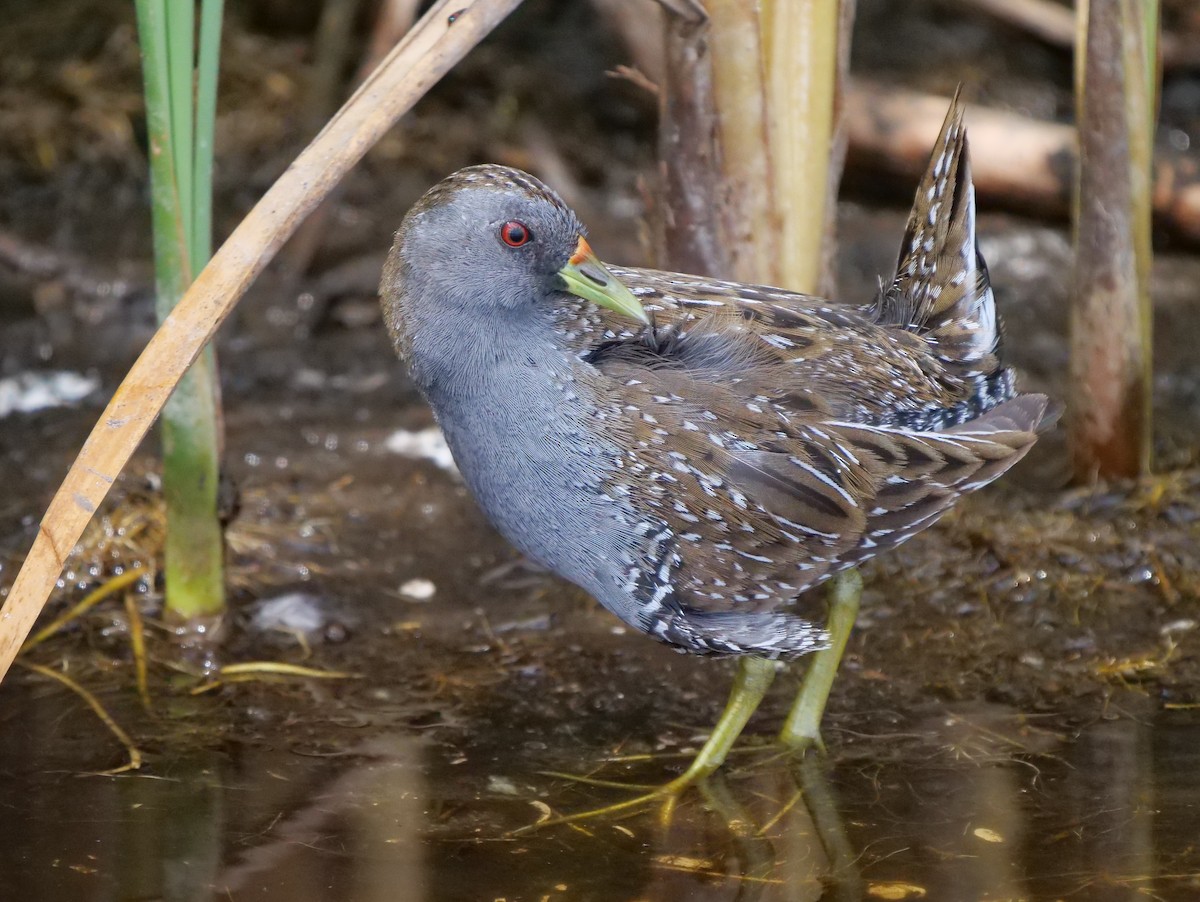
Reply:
x=514 y=233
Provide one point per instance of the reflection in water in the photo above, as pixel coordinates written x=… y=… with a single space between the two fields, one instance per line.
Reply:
x=726 y=850
x=1101 y=832
x=978 y=804
x=356 y=837
x=170 y=841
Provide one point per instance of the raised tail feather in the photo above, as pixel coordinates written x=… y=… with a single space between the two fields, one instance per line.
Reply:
x=941 y=288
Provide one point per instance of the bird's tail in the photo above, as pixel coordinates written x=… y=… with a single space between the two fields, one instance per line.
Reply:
x=765 y=634
x=941 y=289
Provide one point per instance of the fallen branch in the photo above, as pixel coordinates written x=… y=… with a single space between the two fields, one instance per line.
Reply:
x=1021 y=163
x=1055 y=25
x=446 y=33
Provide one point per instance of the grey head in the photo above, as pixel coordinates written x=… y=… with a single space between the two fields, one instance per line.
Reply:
x=484 y=267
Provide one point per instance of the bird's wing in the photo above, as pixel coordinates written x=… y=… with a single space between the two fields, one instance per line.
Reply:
x=763 y=501
x=839 y=360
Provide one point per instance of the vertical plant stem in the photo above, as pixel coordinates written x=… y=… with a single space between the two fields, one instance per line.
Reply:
x=839 y=142
x=194 y=553
x=1140 y=30
x=801 y=42
x=180 y=169
x=208 y=68
x=747 y=137
x=169 y=241
x=181 y=25
x=690 y=234
x=750 y=225
x=1116 y=74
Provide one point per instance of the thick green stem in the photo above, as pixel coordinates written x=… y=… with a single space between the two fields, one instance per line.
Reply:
x=194 y=553
x=181 y=218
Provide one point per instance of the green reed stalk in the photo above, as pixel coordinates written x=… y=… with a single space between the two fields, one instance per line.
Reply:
x=180 y=116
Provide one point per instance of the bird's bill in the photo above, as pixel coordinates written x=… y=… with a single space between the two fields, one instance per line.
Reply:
x=588 y=278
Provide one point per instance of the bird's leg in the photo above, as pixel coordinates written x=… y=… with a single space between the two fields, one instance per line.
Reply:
x=803 y=725
x=754 y=676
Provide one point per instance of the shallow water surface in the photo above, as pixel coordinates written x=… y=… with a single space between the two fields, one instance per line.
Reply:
x=970 y=803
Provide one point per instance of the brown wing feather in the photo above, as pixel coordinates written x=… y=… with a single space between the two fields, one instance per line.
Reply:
x=837 y=356
x=768 y=503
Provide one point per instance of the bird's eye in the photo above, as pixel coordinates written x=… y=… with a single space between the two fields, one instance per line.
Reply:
x=514 y=233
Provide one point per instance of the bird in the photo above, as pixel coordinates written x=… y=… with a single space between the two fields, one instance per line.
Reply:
x=697 y=454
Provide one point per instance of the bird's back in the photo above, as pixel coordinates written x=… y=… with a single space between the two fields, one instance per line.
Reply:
x=809 y=436
x=924 y=354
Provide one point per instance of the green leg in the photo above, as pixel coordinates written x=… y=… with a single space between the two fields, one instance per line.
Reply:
x=803 y=725
x=753 y=678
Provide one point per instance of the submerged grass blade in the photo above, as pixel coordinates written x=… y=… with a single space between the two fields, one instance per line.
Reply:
x=137 y=644
x=252 y=671
x=135 y=754
x=89 y=601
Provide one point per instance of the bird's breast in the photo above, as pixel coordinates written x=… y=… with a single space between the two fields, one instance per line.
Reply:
x=528 y=449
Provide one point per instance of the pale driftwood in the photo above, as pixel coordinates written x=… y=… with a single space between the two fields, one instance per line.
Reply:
x=445 y=34
x=1020 y=163
x=1024 y=162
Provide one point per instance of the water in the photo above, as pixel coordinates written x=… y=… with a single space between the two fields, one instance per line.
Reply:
x=973 y=802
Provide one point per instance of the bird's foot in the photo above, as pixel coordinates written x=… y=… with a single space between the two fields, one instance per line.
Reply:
x=754 y=675
x=667 y=795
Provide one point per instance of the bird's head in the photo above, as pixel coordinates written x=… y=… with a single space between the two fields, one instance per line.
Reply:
x=494 y=247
